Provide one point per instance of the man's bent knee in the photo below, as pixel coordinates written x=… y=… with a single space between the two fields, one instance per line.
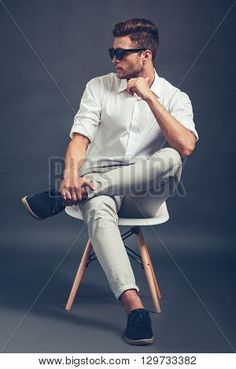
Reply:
x=171 y=154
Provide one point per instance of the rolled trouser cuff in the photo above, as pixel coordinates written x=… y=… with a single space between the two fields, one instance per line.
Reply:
x=124 y=288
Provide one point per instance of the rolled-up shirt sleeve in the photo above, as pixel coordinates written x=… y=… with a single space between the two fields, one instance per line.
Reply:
x=181 y=109
x=88 y=118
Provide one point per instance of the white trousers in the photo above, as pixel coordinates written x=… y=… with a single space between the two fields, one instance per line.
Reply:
x=135 y=190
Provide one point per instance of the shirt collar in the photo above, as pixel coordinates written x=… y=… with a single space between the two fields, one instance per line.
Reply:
x=155 y=87
x=122 y=85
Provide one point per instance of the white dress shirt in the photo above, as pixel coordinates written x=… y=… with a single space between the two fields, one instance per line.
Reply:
x=122 y=128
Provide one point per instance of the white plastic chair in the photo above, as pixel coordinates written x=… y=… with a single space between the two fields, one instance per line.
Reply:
x=143 y=258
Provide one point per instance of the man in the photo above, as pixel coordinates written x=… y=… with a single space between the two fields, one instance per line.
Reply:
x=116 y=162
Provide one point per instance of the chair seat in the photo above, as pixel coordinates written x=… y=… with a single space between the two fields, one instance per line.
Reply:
x=160 y=217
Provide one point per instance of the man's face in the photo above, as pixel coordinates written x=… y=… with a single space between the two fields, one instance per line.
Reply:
x=131 y=66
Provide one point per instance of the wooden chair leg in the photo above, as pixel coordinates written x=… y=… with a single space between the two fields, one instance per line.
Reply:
x=148 y=270
x=79 y=275
x=154 y=276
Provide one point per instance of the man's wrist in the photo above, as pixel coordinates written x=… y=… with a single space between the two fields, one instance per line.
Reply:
x=150 y=98
x=68 y=172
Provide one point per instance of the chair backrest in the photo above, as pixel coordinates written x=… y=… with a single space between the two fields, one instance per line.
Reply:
x=160 y=217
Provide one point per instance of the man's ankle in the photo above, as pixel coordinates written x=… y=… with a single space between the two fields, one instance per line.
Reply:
x=131 y=300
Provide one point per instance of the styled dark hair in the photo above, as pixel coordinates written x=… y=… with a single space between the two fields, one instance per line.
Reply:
x=141 y=31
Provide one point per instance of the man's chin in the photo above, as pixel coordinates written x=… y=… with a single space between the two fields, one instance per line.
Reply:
x=124 y=75
x=121 y=74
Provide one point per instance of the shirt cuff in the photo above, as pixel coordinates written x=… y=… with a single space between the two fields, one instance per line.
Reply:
x=81 y=130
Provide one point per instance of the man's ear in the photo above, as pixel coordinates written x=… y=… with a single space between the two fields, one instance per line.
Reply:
x=147 y=56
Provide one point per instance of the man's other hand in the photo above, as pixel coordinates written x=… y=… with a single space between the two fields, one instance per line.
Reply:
x=140 y=86
x=73 y=189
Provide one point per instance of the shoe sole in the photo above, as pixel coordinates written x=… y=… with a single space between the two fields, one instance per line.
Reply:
x=144 y=341
x=28 y=208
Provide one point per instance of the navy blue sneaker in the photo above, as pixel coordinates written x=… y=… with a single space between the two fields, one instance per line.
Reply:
x=44 y=204
x=139 y=328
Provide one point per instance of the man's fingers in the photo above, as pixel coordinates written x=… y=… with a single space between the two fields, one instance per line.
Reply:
x=130 y=86
x=78 y=191
x=130 y=91
x=66 y=195
x=77 y=194
x=90 y=184
x=74 y=195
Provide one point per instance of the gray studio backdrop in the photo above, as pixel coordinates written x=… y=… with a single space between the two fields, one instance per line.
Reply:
x=49 y=50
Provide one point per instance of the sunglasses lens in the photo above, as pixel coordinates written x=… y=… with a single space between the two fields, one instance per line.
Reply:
x=112 y=52
x=118 y=53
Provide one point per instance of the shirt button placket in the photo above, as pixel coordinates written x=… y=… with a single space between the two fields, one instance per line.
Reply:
x=131 y=138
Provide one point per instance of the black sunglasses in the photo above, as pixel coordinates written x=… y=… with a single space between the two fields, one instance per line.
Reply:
x=120 y=53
